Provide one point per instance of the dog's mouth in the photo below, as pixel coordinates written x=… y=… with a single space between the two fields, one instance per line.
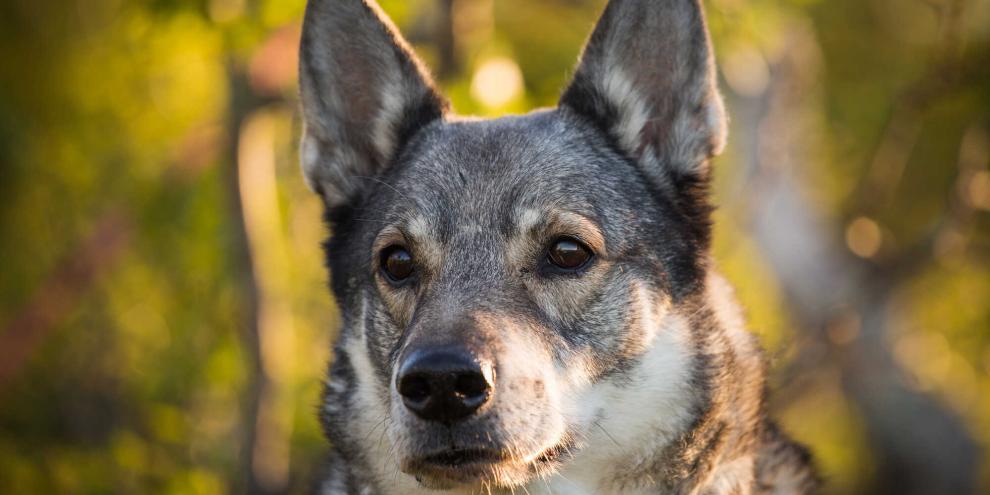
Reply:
x=448 y=468
x=464 y=457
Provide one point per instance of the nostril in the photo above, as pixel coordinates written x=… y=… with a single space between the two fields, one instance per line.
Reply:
x=415 y=387
x=471 y=385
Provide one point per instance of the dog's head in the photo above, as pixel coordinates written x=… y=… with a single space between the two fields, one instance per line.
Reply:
x=492 y=275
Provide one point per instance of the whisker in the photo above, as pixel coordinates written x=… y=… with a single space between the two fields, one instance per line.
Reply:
x=386 y=184
x=609 y=435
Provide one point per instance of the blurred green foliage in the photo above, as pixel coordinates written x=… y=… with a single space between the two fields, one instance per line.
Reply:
x=135 y=283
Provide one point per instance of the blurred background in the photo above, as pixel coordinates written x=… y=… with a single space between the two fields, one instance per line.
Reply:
x=164 y=321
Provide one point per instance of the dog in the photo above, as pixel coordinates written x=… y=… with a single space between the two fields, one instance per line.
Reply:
x=528 y=303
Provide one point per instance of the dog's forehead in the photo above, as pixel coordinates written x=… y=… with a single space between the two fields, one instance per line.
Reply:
x=496 y=174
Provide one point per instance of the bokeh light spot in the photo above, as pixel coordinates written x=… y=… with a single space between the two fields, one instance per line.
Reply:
x=496 y=82
x=746 y=71
x=863 y=237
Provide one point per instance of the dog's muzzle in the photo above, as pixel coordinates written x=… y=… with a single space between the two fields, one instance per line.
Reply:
x=457 y=426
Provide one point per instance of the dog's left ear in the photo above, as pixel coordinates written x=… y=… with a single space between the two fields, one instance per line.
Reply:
x=647 y=77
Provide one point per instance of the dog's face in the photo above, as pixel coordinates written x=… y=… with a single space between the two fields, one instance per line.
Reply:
x=546 y=281
x=497 y=277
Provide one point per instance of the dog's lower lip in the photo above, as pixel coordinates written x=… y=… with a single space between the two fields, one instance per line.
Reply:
x=552 y=453
x=463 y=457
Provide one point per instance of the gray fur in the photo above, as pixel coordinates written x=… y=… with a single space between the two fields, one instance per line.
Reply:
x=632 y=375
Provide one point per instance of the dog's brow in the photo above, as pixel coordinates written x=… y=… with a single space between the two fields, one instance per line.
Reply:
x=562 y=222
x=417 y=232
x=586 y=229
x=388 y=236
x=419 y=228
x=528 y=219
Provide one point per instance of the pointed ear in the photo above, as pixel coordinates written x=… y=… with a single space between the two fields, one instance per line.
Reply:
x=364 y=94
x=647 y=77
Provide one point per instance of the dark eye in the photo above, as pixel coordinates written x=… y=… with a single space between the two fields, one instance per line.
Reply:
x=568 y=253
x=397 y=263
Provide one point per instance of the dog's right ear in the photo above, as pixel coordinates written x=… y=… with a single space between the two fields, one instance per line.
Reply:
x=364 y=94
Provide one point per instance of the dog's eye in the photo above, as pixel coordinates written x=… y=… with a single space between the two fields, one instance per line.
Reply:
x=568 y=253
x=397 y=263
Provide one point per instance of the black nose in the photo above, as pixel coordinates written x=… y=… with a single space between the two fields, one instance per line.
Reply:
x=444 y=384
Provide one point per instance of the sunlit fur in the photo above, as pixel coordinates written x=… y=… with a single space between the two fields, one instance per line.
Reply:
x=632 y=374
